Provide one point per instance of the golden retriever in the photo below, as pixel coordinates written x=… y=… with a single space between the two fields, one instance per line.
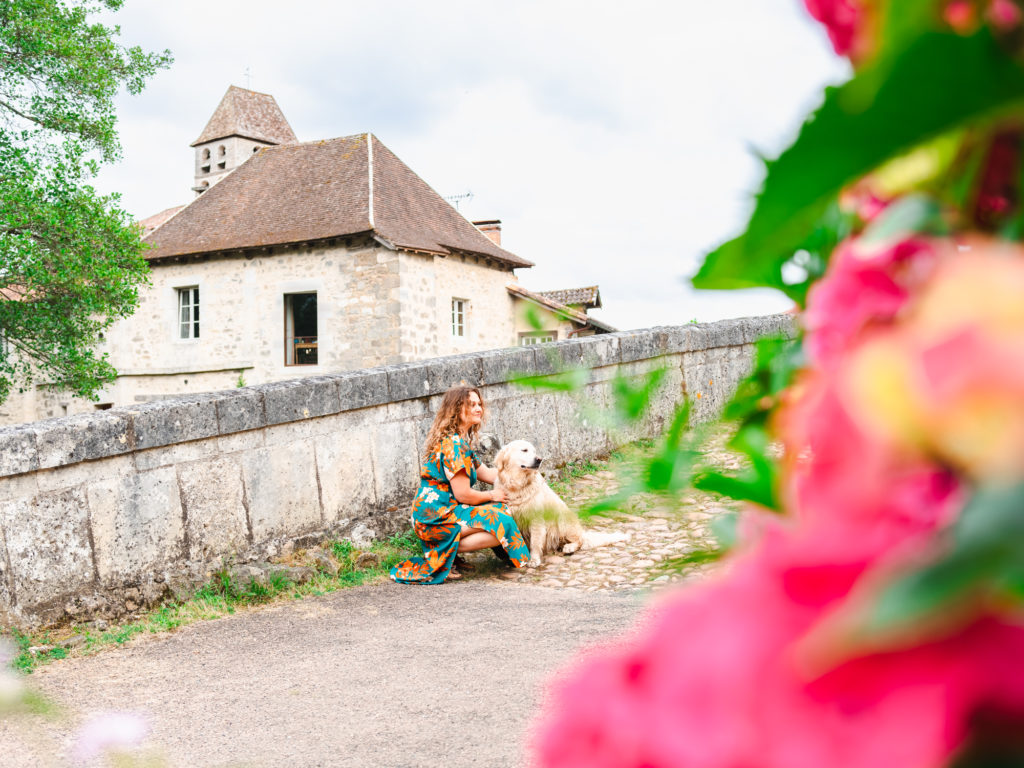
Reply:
x=545 y=521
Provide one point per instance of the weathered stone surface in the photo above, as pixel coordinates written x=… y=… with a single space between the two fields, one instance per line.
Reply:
x=533 y=417
x=641 y=345
x=408 y=381
x=367 y=560
x=18 y=450
x=240 y=410
x=501 y=365
x=361 y=389
x=86 y=436
x=174 y=421
x=215 y=517
x=6 y=593
x=346 y=470
x=582 y=426
x=48 y=538
x=445 y=372
x=136 y=524
x=296 y=574
x=397 y=471
x=564 y=355
x=300 y=399
x=599 y=351
x=280 y=485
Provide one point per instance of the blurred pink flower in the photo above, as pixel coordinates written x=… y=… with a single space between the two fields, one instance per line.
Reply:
x=865 y=285
x=1004 y=14
x=115 y=731
x=717 y=680
x=846 y=22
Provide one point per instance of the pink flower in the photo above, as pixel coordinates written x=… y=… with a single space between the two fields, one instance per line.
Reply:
x=866 y=285
x=843 y=20
x=1004 y=14
x=718 y=680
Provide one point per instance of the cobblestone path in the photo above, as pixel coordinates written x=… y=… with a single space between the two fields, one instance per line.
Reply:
x=660 y=534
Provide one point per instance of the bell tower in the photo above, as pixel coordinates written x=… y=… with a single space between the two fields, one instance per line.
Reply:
x=243 y=122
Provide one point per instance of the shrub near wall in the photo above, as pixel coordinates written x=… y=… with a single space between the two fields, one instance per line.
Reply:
x=105 y=511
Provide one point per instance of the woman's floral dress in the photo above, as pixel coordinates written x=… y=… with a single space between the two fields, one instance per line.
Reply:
x=438 y=518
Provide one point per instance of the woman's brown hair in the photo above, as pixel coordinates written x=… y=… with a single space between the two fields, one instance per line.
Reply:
x=446 y=422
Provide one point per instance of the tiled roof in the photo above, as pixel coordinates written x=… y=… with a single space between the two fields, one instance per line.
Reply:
x=558 y=307
x=317 y=190
x=589 y=297
x=249 y=114
x=158 y=220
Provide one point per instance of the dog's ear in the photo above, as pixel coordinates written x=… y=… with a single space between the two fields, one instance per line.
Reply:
x=501 y=458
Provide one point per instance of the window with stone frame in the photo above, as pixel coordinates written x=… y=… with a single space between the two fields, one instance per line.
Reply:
x=460 y=308
x=301 y=344
x=188 y=312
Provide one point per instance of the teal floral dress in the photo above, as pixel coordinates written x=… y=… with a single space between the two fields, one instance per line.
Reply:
x=438 y=518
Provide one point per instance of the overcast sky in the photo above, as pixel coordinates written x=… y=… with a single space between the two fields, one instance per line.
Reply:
x=615 y=141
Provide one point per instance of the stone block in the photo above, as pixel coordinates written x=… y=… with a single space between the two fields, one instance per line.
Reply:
x=18 y=450
x=599 y=351
x=397 y=468
x=48 y=546
x=408 y=381
x=82 y=437
x=136 y=524
x=679 y=339
x=641 y=345
x=19 y=486
x=214 y=498
x=700 y=338
x=300 y=399
x=165 y=422
x=580 y=431
x=534 y=418
x=240 y=410
x=361 y=389
x=445 y=372
x=727 y=333
x=502 y=365
x=346 y=470
x=564 y=355
x=169 y=455
x=280 y=486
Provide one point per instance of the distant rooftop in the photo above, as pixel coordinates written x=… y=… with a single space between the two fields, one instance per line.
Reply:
x=297 y=193
x=589 y=297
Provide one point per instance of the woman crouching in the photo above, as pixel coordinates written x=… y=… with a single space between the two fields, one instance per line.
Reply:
x=448 y=515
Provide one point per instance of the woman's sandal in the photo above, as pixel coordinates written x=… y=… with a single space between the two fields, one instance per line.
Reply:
x=463 y=564
x=454 y=575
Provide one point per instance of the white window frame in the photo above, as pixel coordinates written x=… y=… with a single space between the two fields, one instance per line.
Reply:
x=537 y=337
x=460 y=317
x=187 y=307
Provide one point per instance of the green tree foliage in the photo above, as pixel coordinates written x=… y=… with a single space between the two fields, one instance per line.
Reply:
x=70 y=259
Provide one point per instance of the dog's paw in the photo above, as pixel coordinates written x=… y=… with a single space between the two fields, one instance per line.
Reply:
x=571 y=547
x=535 y=562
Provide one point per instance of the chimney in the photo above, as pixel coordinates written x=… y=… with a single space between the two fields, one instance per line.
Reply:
x=491 y=228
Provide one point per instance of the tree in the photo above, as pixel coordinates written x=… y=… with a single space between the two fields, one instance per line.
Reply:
x=70 y=259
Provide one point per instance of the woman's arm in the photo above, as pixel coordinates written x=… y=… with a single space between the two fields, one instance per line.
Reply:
x=487 y=474
x=464 y=493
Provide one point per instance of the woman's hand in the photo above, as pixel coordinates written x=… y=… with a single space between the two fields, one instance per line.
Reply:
x=498 y=494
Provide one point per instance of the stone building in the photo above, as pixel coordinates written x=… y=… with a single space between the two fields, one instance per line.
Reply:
x=298 y=258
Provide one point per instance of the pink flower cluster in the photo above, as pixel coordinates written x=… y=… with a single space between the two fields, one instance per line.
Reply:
x=768 y=666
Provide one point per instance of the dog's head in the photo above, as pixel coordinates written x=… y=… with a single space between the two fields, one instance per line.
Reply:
x=517 y=455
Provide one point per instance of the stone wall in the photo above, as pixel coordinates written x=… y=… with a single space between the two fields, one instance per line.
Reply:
x=103 y=511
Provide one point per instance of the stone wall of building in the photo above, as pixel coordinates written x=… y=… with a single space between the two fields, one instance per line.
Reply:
x=430 y=283
x=106 y=510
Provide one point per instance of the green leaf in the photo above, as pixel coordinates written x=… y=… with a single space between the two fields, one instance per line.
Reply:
x=723 y=528
x=632 y=395
x=566 y=381
x=937 y=83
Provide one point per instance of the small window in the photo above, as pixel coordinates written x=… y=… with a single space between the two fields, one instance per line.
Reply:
x=221 y=151
x=537 y=337
x=300 y=332
x=188 y=313
x=206 y=153
x=459 y=307
x=221 y=165
x=255 y=150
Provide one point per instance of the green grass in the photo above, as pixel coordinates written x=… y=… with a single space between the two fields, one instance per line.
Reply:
x=222 y=596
